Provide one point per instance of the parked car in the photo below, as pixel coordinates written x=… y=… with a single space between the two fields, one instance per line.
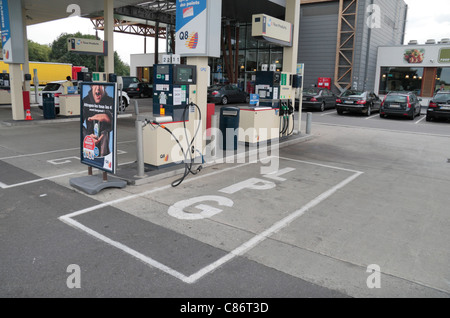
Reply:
x=317 y=98
x=139 y=90
x=128 y=80
x=403 y=104
x=57 y=89
x=364 y=102
x=226 y=94
x=439 y=107
x=124 y=102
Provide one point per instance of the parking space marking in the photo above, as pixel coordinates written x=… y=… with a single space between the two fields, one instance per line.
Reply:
x=420 y=120
x=242 y=249
x=6 y=186
x=329 y=113
x=54 y=151
x=62 y=161
x=373 y=116
x=383 y=129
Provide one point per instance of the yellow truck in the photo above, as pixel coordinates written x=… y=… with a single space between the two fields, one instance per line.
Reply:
x=47 y=72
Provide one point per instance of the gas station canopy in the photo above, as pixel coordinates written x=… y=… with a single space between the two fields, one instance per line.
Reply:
x=39 y=11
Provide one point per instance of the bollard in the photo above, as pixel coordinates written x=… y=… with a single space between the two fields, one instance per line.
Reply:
x=136 y=107
x=140 y=148
x=214 y=137
x=308 y=123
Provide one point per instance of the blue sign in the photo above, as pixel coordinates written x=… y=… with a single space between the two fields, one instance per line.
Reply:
x=191 y=26
x=197 y=26
x=254 y=99
x=12 y=31
x=6 y=31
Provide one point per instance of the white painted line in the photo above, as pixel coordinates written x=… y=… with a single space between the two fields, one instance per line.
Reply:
x=321 y=165
x=134 y=196
x=5 y=186
x=54 y=151
x=62 y=161
x=382 y=129
x=236 y=252
x=371 y=117
x=124 y=248
x=420 y=120
x=328 y=113
x=270 y=231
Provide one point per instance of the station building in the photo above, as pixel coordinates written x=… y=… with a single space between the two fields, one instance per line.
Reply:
x=423 y=68
x=339 y=39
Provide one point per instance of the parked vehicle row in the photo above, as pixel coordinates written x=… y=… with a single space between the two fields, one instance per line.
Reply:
x=395 y=104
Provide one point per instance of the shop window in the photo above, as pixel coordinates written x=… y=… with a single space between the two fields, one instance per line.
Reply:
x=443 y=79
x=251 y=61
x=401 y=79
x=263 y=58
x=252 y=43
x=276 y=57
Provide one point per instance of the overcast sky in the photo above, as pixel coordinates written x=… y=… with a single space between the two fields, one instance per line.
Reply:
x=426 y=20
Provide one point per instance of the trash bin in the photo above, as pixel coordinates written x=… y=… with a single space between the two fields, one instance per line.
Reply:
x=229 y=120
x=48 y=101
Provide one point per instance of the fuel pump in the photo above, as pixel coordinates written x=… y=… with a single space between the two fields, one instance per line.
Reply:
x=169 y=136
x=287 y=94
x=171 y=85
x=267 y=86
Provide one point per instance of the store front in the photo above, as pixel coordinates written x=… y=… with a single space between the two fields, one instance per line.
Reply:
x=252 y=54
x=423 y=69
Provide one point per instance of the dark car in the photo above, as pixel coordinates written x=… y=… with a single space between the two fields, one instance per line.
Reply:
x=439 y=107
x=364 y=102
x=402 y=104
x=139 y=90
x=226 y=94
x=317 y=99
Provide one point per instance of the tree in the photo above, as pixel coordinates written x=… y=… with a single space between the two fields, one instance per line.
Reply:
x=38 y=52
x=59 y=53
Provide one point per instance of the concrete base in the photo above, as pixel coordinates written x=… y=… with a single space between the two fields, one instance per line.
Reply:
x=94 y=184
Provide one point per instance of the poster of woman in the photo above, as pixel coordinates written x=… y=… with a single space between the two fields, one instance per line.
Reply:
x=98 y=125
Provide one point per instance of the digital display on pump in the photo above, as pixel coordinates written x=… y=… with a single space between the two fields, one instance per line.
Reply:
x=185 y=74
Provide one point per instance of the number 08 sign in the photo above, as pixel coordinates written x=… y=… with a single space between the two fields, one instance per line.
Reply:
x=197 y=28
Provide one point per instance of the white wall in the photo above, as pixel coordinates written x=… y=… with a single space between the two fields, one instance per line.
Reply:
x=142 y=60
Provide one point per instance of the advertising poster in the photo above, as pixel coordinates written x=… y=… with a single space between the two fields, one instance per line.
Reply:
x=98 y=117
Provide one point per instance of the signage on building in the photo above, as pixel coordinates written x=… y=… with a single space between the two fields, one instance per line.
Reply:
x=197 y=28
x=12 y=32
x=271 y=29
x=87 y=46
x=414 y=56
x=444 y=55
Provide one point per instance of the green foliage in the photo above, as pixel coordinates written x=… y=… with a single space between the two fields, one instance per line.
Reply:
x=38 y=52
x=60 y=54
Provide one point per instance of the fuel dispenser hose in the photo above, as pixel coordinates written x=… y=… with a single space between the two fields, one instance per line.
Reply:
x=190 y=150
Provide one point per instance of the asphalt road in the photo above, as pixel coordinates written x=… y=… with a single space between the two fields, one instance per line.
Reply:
x=362 y=192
